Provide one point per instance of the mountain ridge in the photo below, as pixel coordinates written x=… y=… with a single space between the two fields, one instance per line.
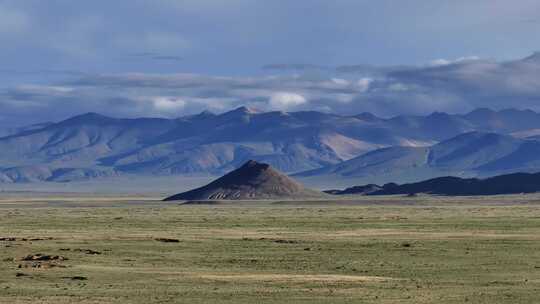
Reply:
x=208 y=143
x=472 y=154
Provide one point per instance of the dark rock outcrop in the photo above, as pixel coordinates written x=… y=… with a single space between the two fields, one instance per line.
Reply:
x=366 y=189
x=516 y=183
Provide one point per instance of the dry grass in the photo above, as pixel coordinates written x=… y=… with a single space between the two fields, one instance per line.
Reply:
x=476 y=250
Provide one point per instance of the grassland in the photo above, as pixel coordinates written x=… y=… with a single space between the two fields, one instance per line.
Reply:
x=384 y=250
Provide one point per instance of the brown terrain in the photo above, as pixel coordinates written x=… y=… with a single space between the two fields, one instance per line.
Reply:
x=251 y=181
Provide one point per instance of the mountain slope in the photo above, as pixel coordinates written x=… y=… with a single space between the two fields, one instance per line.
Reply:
x=470 y=154
x=92 y=145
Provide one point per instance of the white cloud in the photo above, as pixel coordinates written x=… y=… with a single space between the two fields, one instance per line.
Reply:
x=341 y=82
x=45 y=89
x=396 y=87
x=343 y=98
x=286 y=100
x=439 y=62
x=364 y=83
x=168 y=104
x=442 y=62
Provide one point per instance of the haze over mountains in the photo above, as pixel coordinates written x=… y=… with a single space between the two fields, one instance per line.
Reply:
x=409 y=148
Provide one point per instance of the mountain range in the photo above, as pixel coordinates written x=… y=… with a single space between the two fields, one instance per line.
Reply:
x=313 y=145
x=472 y=154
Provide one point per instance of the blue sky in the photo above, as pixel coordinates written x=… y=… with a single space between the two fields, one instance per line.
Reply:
x=53 y=50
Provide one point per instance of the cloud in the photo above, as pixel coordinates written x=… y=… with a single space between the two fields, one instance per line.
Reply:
x=439 y=62
x=458 y=86
x=61 y=58
x=340 y=81
x=286 y=100
x=168 y=104
x=45 y=89
x=364 y=83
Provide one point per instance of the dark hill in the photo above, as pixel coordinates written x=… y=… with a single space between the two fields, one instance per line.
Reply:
x=251 y=181
x=503 y=184
x=366 y=189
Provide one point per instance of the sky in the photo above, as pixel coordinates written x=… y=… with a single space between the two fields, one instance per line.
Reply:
x=166 y=58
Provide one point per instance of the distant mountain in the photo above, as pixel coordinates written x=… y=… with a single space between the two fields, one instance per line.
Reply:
x=71 y=149
x=503 y=184
x=93 y=145
x=473 y=154
x=252 y=181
